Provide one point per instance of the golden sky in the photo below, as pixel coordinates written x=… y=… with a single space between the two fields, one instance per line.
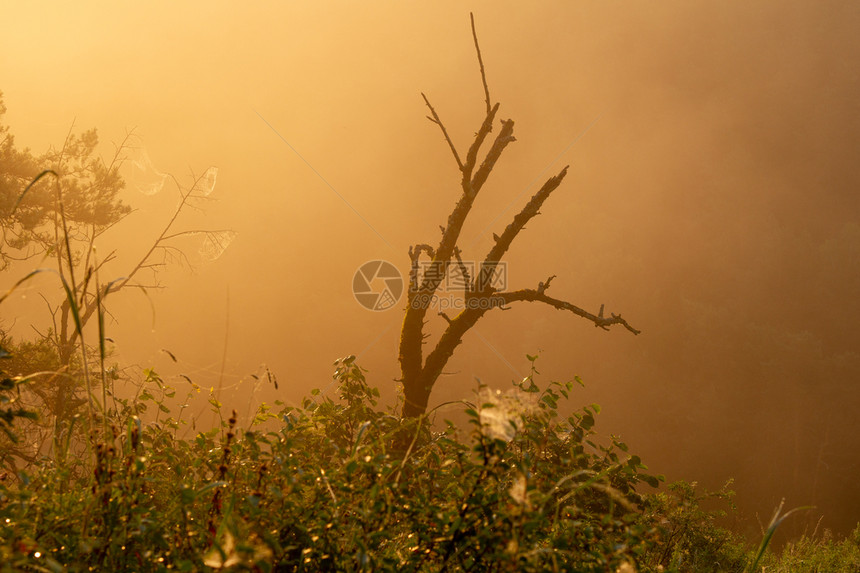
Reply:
x=712 y=199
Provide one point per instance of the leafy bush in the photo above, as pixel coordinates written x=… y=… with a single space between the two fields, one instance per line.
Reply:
x=690 y=538
x=335 y=484
x=341 y=484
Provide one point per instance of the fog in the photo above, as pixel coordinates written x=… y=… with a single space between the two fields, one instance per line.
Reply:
x=712 y=199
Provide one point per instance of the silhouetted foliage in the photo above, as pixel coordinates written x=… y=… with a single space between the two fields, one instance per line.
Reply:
x=90 y=193
x=58 y=205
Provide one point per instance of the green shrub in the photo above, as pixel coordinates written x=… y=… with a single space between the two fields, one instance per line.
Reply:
x=334 y=485
x=690 y=538
x=341 y=484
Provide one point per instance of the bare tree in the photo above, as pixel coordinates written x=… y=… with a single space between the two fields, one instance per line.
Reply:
x=419 y=374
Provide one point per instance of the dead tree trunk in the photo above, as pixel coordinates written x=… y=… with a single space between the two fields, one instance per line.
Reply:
x=419 y=374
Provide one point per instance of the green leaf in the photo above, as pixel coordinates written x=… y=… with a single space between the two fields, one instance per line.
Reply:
x=587 y=422
x=651 y=480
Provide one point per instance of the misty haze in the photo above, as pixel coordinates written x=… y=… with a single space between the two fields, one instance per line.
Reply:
x=656 y=233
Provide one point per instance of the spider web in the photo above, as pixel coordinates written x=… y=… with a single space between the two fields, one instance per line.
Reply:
x=142 y=174
x=206 y=184
x=215 y=243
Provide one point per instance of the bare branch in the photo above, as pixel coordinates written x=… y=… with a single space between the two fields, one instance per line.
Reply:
x=414 y=255
x=480 y=63
x=532 y=295
x=110 y=256
x=458 y=216
x=472 y=155
x=467 y=279
x=184 y=200
x=415 y=252
x=530 y=210
x=542 y=286
x=435 y=119
x=502 y=140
